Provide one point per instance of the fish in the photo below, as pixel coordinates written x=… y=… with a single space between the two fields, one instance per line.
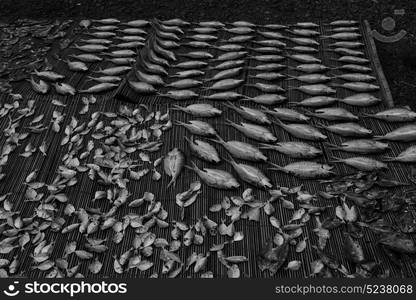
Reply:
x=269 y=76
x=120 y=53
x=361 y=163
x=302 y=131
x=111 y=79
x=397 y=114
x=334 y=114
x=271 y=34
x=204 y=30
x=240 y=39
x=311 y=78
x=267 y=88
x=228 y=65
x=42 y=87
x=121 y=61
x=215 y=178
x=343 y=23
x=198 y=127
x=230 y=56
x=104 y=28
x=267 y=58
x=241 y=150
x=268 y=67
x=361 y=99
x=347 y=44
x=184 y=84
x=91 y=48
x=202 y=37
x=315 y=89
x=226 y=74
x=77 y=66
x=101 y=87
x=304 y=41
x=239 y=30
x=229 y=47
x=304 y=32
x=356 y=77
x=225 y=84
x=199 y=110
x=188 y=73
x=344 y=36
x=242 y=24
x=142 y=87
x=266 y=99
x=358 y=86
x=214 y=24
x=137 y=23
x=287 y=114
x=49 y=75
x=363 y=146
x=197 y=55
x=91 y=58
x=204 y=150
x=249 y=114
x=405 y=133
x=310 y=68
x=101 y=34
x=253 y=131
x=306 y=25
x=305 y=169
x=224 y=96
x=354 y=68
x=191 y=64
x=173 y=164
x=406 y=156
x=346 y=51
x=197 y=44
x=179 y=94
x=107 y=21
x=114 y=71
x=130 y=38
x=350 y=59
x=305 y=58
x=64 y=89
x=152 y=79
x=133 y=31
x=303 y=49
x=266 y=50
x=348 y=129
x=250 y=174
x=294 y=149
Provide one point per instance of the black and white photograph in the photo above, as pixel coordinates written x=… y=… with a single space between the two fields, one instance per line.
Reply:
x=168 y=142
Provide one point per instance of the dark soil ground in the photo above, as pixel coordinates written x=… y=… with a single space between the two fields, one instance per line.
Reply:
x=398 y=59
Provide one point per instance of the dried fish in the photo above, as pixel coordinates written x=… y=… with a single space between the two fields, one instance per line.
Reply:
x=305 y=169
x=394 y=115
x=253 y=131
x=363 y=146
x=215 y=178
x=405 y=133
x=250 y=114
x=241 y=150
x=302 y=131
x=251 y=174
x=294 y=149
x=204 y=150
x=200 y=110
x=173 y=164
x=361 y=163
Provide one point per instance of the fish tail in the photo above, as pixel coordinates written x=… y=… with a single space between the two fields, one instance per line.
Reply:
x=187 y=139
x=378 y=137
x=172 y=181
x=266 y=146
x=229 y=105
x=229 y=122
x=332 y=146
x=277 y=167
x=335 y=160
x=278 y=122
x=179 y=123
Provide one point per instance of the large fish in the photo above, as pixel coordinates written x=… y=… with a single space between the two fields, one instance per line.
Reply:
x=397 y=114
x=215 y=178
x=198 y=127
x=361 y=163
x=405 y=133
x=251 y=175
x=306 y=169
x=173 y=164
x=363 y=146
x=203 y=150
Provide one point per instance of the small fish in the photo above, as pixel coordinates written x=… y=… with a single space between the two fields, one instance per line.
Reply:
x=267 y=58
x=241 y=150
x=101 y=87
x=250 y=114
x=268 y=67
x=110 y=79
x=302 y=131
x=228 y=65
x=271 y=43
x=317 y=101
x=77 y=66
x=347 y=44
x=179 y=94
x=405 y=133
x=200 y=110
x=224 y=96
x=305 y=58
x=363 y=146
x=361 y=163
x=354 y=68
x=294 y=149
x=90 y=58
x=114 y=71
x=91 y=48
x=315 y=89
x=152 y=79
x=239 y=30
x=49 y=75
x=362 y=100
x=266 y=99
x=287 y=114
x=191 y=64
x=350 y=59
x=173 y=164
x=311 y=78
x=184 y=84
x=251 y=175
x=226 y=74
x=204 y=150
x=269 y=76
x=197 y=55
x=253 y=131
x=306 y=169
x=334 y=114
x=64 y=89
x=215 y=178
x=188 y=73
x=267 y=88
x=348 y=129
x=42 y=87
x=137 y=23
x=198 y=127
x=303 y=41
x=358 y=86
x=344 y=36
x=142 y=87
x=396 y=114
x=310 y=68
x=226 y=84
x=346 y=51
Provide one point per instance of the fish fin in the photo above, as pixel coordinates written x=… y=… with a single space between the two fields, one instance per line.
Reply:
x=277 y=167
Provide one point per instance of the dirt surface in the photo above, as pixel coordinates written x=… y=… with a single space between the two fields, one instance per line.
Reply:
x=398 y=59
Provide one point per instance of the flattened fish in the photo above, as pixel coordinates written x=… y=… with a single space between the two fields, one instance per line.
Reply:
x=173 y=164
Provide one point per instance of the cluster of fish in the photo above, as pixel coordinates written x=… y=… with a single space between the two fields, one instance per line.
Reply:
x=24 y=45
